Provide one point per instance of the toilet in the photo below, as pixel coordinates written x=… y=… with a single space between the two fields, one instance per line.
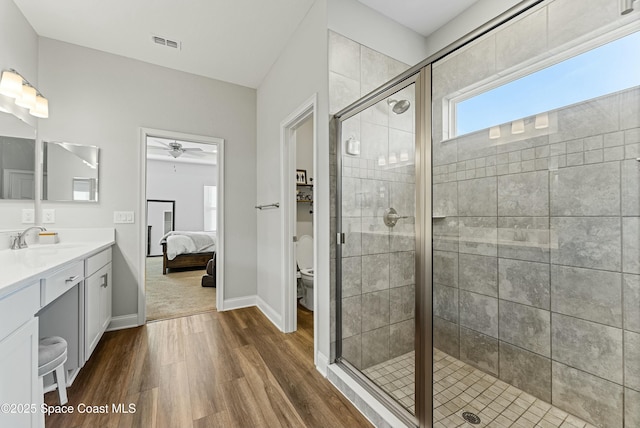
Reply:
x=304 y=257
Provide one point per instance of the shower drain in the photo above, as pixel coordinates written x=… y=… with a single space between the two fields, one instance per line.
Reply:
x=472 y=418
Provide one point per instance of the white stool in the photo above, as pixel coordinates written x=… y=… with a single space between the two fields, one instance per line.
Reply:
x=52 y=354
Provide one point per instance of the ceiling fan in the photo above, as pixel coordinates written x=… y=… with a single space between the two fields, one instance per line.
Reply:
x=176 y=150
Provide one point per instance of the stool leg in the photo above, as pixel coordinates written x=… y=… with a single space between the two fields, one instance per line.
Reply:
x=61 y=381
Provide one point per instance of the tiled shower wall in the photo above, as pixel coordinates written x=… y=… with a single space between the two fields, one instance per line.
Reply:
x=378 y=262
x=537 y=261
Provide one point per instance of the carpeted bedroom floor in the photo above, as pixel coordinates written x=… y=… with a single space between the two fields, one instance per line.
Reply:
x=176 y=294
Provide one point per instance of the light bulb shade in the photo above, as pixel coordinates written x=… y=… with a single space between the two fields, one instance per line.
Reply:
x=11 y=84
x=494 y=132
x=392 y=158
x=381 y=160
x=41 y=109
x=517 y=126
x=28 y=97
x=542 y=121
x=404 y=156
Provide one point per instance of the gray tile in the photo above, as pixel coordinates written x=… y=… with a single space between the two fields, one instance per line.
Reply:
x=479 y=274
x=524 y=282
x=402 y=198
x=629 y=102
x=587 y=190
x=445 y=152
x=591 y=242
x=352 y=229
x=585 y=345
x=526 y=327
x=631 y=244
x=352 y=350
x=344 y=56
x=631 y=290
x=351 y=316
x=479 y=313
x=445 y=199
x=375 y=310
x=375 y=197
x=402 y=303
x=351 y=276
x=402 y=339
x=375 y=273
x=446 y=336
x=631 y=187
x=374 y=141
x=375 y=347
x=588 y=397
x=524 y=194
x=375 y=236
x=445 y=268
x=474 y=145
x=402 y=268
x=402 y=237
x=445 y=234
x=632 y=360
x=445 y=302
x=479 y=350
x=525 y=370
x=524 y=238
x=342 y=91
x=478 y=197
x=478 y=235
x=590 y=294
x=632 y=408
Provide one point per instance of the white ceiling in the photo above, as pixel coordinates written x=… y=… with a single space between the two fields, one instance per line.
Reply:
x=235 y=41
x=158 y=149
x=422 y=16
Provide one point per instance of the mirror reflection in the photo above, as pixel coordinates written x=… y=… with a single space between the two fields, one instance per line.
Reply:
x=70 y=172
x=17 y=158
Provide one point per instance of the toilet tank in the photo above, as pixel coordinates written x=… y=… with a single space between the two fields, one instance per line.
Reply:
x=304 y=252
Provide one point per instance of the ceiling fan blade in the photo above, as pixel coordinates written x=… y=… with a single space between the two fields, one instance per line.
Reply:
x=192 y=149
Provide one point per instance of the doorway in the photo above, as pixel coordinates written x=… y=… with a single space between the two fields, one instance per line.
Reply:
x=182 y=239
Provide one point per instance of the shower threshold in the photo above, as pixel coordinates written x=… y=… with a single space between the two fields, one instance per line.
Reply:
x=467 y=397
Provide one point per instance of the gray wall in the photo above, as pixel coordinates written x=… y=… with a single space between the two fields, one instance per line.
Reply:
x=377 y=277
x=304 y=160
x=536 y=263
x=102 y=99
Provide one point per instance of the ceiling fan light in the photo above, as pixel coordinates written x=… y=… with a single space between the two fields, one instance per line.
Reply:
x=175 y=153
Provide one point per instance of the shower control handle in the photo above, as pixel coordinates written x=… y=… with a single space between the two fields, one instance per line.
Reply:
x=391 y=217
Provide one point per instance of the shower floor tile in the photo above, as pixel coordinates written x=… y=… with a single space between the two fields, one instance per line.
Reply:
x=459 y=388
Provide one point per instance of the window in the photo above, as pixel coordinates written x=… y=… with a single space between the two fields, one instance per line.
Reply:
x=600 y=71
x=210 y=208
x=84 y=189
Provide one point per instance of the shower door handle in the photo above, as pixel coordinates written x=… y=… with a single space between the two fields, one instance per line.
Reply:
x=391 y=217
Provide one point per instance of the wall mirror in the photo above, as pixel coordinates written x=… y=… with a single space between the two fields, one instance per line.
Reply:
x=17 y=158
x=69 y=172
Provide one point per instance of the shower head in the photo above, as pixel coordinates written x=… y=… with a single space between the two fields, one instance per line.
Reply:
x=399 y=106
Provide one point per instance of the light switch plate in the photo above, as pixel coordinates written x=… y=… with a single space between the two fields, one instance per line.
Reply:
x=28 y=216
x=49 y=216
x=123 y=217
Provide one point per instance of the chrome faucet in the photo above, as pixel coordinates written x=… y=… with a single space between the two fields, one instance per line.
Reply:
x=19 y=241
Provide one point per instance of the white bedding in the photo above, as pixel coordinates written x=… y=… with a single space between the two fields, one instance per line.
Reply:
x=189 y=242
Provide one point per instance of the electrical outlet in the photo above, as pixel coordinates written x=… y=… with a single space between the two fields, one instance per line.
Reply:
x=49 y=216
x=28 y=216
x=123 y=217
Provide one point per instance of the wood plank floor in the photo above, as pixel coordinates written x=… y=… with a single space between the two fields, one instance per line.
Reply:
x=227 y=369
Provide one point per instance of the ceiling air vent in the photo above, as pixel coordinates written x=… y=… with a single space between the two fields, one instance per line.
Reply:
x=166 y=42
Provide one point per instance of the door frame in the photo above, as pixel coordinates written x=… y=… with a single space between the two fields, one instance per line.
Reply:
x=173 y=218
x=306 y=110
x=142 y=200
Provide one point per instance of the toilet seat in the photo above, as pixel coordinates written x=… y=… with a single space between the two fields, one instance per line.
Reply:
x=308 y=272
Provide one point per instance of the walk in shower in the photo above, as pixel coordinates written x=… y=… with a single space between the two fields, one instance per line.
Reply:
x=488 y=250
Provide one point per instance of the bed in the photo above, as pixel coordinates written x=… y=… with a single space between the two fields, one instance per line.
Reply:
x=187 y=249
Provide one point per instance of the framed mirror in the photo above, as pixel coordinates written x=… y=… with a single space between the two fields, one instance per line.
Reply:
x=69 y=172
x=17 y=158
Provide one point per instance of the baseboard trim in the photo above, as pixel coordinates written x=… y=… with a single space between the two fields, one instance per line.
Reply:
x=237 y=303
x=270 y=313
x=322 y=363
x=123 y=321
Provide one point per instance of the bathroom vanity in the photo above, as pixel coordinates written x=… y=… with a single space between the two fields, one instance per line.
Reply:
x=58 y=289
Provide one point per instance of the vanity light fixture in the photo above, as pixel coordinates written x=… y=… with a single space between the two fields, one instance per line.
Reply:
x=14 y=85
x=517 y=126
x=494 y=132
x=542 y=121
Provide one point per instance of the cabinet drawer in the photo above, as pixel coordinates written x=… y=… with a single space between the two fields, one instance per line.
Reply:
x=18 y=308
x=97 y=261
x=60 y=282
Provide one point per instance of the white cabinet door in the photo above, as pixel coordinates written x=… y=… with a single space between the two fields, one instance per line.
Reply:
x=97 y=307
x=19 y=382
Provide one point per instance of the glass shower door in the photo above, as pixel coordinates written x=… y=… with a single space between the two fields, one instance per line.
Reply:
x=376 y=267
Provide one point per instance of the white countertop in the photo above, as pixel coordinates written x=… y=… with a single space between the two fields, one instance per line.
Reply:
x=19 y=268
